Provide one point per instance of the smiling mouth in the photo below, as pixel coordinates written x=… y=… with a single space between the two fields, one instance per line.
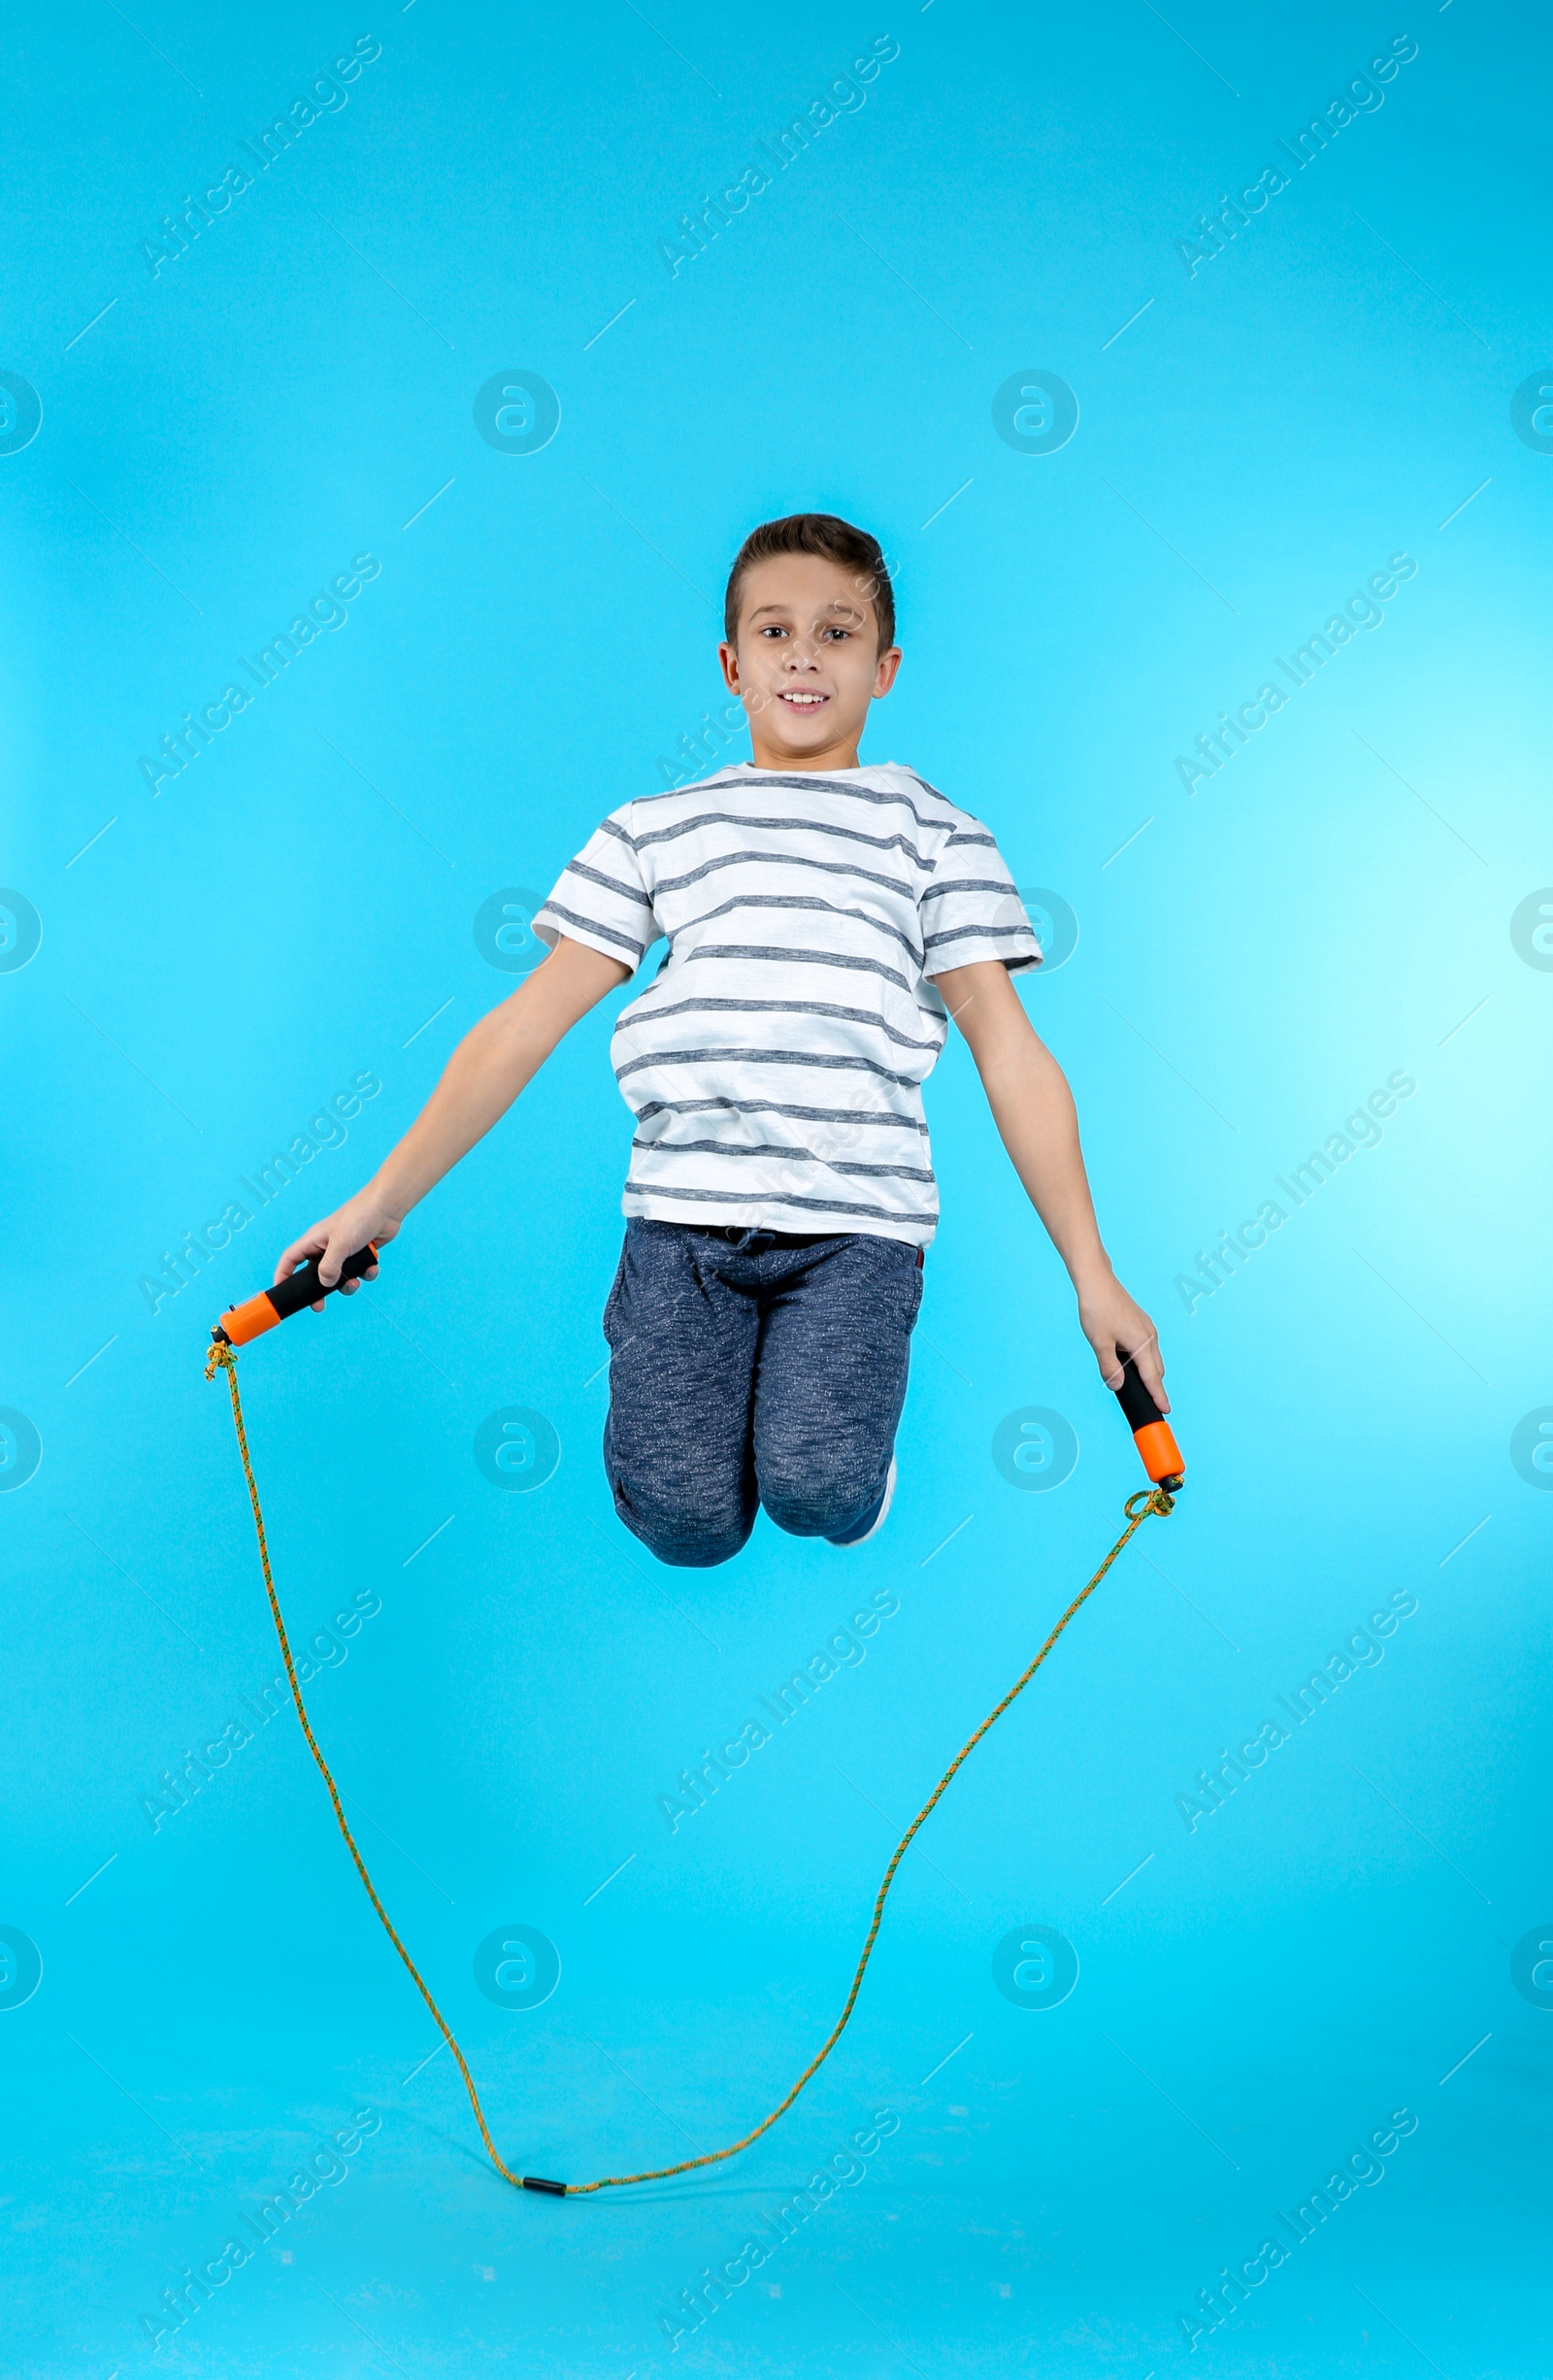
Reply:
x=804 y=702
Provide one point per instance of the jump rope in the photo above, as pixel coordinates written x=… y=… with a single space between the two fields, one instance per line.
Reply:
x=1162 y=1461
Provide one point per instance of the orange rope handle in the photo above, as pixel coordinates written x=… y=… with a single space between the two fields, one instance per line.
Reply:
x=1153 y=1499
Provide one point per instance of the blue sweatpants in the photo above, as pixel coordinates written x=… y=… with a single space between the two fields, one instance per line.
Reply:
x=754 y=1368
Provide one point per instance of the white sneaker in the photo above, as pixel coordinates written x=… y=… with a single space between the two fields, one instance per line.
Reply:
x=880 y=1516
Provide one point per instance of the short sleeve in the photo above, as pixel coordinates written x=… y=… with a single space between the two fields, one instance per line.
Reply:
x=600 y=898
x=970 y=909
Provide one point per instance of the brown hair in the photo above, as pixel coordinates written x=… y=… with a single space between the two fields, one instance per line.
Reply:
x=819 y=533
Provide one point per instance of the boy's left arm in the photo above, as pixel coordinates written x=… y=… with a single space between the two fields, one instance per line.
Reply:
x=1034 y=1110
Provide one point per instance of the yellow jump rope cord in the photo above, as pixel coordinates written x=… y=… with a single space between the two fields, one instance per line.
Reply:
x=1152 y=1499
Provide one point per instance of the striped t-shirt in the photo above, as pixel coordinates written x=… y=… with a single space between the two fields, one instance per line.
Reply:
x=775 y=1065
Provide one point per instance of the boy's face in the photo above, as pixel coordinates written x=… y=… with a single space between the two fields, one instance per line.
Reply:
x=807 y=663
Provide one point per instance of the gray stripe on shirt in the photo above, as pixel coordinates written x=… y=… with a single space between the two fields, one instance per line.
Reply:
x=999 y=934
x=886 y=1116
x=639 y=1012
x=786 y=859
x=973 y=884
x=776 y=1198
x=777 y=826
x=803 y=901
x=592 y=875
x=553 y=908
x=766 y=1057
x=786 y=1149
x=797 y=958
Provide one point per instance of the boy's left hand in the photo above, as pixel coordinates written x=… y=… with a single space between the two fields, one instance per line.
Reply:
x=1116 y=1326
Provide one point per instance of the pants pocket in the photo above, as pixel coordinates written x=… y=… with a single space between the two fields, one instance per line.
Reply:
x=612 y=1301
x=910 y=1267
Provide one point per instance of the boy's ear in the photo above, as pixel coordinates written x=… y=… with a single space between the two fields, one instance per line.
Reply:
x=885 y=675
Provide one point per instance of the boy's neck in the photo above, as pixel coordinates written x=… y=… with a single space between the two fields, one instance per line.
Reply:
x=841 y=755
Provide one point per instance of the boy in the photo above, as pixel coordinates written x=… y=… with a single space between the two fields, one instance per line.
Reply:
x=824 y=921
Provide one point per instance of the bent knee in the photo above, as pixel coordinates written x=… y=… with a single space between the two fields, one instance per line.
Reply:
x=701 y=1552
x=684 y=1537
x=822 y=1501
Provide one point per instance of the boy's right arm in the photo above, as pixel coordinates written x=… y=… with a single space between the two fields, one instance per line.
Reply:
x=483 y=1078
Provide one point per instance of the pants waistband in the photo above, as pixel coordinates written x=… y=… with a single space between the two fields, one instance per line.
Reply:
x=779 y=1239
x=735 y=1231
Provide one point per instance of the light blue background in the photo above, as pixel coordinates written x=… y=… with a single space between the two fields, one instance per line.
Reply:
x=223 y=957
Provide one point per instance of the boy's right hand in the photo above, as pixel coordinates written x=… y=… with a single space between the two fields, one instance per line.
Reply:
x=360 y=1221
